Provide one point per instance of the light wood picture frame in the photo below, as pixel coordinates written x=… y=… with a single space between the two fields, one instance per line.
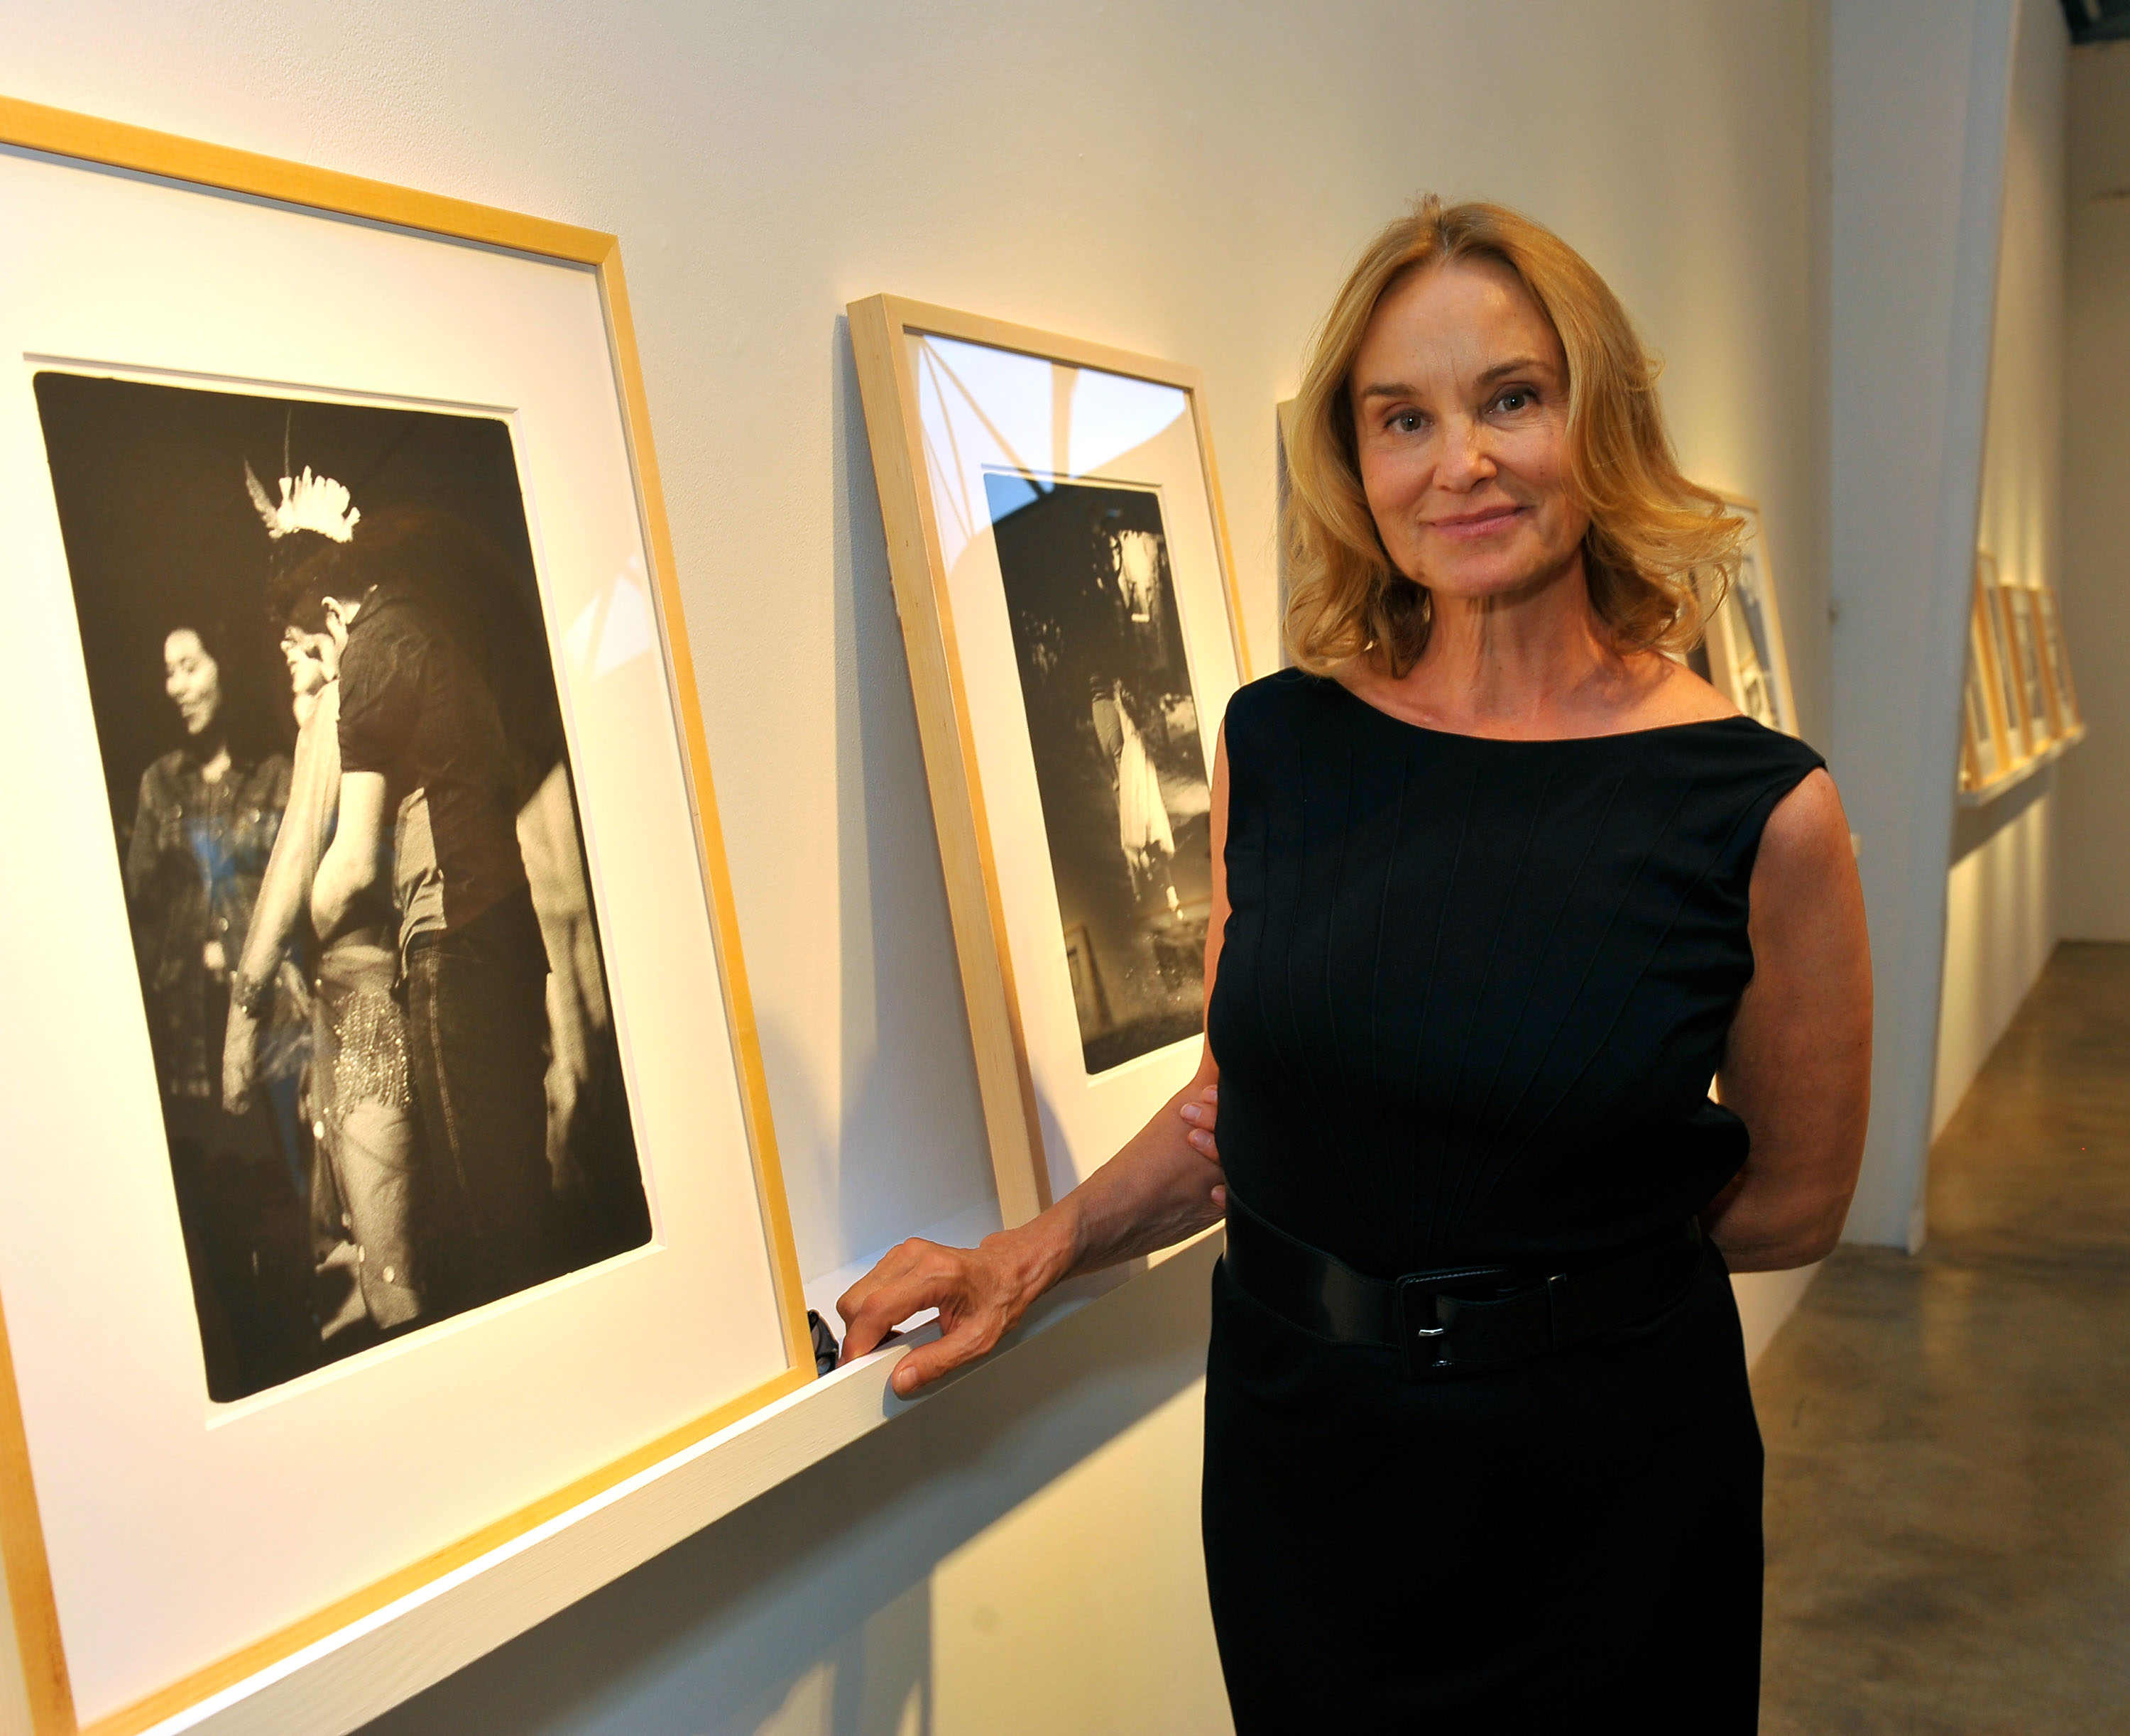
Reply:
x=1748 y=661
x=1062 y=569
x=2022 y=632
x=2020 y=707
x=1282 y=440
x=2063 y=689
x=1984 y=744
x=2009 y=691
x=159 y=1545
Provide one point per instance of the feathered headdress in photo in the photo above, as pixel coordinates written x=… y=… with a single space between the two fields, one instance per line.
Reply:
x=308 y=503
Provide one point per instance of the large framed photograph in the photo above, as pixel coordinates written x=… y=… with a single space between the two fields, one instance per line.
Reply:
x=1747 y=663
x=388 y=1163
x=1068 y=599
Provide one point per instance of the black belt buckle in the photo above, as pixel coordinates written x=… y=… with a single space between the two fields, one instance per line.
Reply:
x=1422 y=1336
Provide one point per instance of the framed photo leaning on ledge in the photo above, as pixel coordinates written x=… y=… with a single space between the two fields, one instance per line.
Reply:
x=385 y=1165
x=1747 y=662
x=1061 y=570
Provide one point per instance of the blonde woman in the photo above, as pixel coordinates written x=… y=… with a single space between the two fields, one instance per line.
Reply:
x=1499 y=889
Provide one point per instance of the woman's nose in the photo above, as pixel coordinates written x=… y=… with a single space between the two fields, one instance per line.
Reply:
x=1464 y=456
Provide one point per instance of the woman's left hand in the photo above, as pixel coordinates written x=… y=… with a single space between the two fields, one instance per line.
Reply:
x=1201 y=1112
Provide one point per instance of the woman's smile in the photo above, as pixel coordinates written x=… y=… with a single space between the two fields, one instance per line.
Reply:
x=1485 y=521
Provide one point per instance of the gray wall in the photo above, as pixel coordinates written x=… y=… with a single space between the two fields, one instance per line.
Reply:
x=2095 y=791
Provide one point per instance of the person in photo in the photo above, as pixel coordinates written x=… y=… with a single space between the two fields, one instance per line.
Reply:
x=1144 y=832
x=360 y=1092
x=423 y=740
x=208 y=813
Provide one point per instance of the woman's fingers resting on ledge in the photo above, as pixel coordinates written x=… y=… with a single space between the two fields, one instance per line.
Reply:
x=1164 y=1185
x=981 y=1294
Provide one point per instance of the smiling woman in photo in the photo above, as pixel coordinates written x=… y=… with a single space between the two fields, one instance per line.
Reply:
x=1500 y=887
x=204 y=826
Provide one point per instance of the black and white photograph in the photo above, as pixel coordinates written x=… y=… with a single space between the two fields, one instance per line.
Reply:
x=354 y=873
x=1119 y=762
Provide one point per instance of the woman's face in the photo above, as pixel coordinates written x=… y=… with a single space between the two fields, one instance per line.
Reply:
x=1459 y=391
x=313 y=659
x=192 y=679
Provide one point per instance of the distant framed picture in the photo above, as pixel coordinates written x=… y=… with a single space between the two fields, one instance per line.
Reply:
x=2021 y=740
x=2020 y=705
x=1747 y=661
x=1062 y=571
x=2056 y=663
x=1984 y=747
x=1282 y=440
x=388 y=1163
x=2022 y=630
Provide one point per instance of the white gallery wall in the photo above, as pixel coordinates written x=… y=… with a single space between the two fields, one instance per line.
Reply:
x=2001 y=920
x=1177 y=176
x=2094 y=789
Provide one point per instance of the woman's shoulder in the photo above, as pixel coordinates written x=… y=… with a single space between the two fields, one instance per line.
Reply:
x=1279 y=701
x=165 y=775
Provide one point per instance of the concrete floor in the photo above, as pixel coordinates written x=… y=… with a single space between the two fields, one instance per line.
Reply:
x=1948 y=1436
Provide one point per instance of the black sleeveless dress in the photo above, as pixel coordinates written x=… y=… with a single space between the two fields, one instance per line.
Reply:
x=1469 y=1003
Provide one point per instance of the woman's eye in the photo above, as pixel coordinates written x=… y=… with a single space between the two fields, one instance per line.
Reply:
x=1516 y=400
x=1406 y=422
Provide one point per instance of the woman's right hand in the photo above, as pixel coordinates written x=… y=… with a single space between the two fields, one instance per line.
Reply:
x=981 y=1294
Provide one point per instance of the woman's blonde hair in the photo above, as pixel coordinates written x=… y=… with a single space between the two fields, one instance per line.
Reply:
x=1659 y=549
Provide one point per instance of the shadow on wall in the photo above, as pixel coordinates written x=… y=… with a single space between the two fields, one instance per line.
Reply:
x=808 y=1612
x=909 y=1150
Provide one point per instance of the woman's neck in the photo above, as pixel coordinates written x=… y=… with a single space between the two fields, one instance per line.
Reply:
x=1516 y=659
x=1533 y=661
x=209 y=753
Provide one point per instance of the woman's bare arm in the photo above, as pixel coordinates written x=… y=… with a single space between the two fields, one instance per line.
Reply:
x=349 y=868
x=284 y=892
x=1158 y=1189
x=1798 y=1067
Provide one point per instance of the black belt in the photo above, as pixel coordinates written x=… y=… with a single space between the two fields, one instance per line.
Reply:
x=1465 y=1319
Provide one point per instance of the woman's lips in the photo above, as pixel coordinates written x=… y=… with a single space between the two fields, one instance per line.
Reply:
x=1466 y=527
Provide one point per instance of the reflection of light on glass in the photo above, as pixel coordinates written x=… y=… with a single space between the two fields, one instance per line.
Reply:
x=622 y=620
x=982 y=409
x=1112 y=414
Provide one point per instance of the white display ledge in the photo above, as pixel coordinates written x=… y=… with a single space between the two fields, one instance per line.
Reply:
x=364 y=1669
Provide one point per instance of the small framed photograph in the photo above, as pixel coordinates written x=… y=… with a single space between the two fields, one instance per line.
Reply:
x=1746 y=659
x=2056 y=665
x=390 y=1166
x=2024 y=630
x=1062 y=571
x=2021 y=739
x=1982 y=746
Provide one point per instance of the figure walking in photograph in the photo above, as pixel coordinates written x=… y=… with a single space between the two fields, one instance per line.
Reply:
x=205 y=824
x=360 y=1093
x=1500 y=889
x=1143 y=832
x=423 y=749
